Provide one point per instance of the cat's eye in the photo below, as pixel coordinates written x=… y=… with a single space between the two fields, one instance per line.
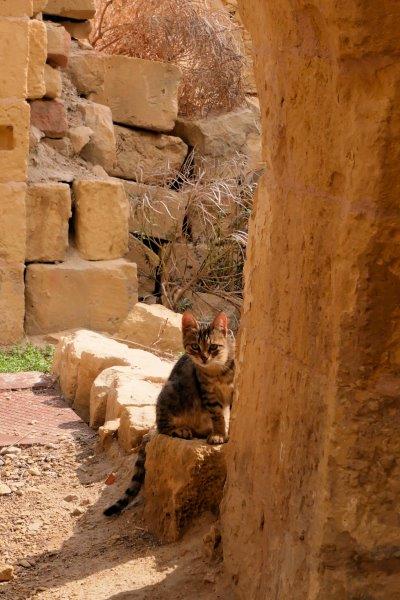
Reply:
x=213 y=347
x=194 y=347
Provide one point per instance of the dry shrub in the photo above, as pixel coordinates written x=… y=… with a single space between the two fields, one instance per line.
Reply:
x=202 y=43
x=204 y=262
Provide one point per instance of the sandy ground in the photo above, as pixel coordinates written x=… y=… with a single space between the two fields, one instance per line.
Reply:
x=54 y=534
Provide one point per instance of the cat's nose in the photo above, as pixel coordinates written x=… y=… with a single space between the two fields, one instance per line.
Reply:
x=204 y=358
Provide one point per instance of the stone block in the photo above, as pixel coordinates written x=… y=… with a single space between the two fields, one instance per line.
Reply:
x=79 y=293
x=37 y=59
x=14 y=52
x=50 y=117
x=101 y=149
x=48 y=211
x=151 y=99
x=39 y=6
x=155 y=212
x=83 y=355
x=12 y=222
x=80 y=137
x=86 y=69
x=119 y=393
x=183 y=480
x=12 y=303
x=78 y=30
x=16 y=8
x=108 y=432
x=53 y=82
x=223 y=139
x=153 y=326
x=73 y=9
x=58 y=45
x=135 y=422
x=101 y=219
x=147 y=157
x=14 y=140
x=147 y=263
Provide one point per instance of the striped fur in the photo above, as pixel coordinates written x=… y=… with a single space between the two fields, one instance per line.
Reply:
x=136 y=481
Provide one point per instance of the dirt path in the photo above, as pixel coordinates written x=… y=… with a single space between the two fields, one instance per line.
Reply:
x=53 y=532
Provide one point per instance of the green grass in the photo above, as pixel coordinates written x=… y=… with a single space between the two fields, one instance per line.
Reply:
x=26 y=358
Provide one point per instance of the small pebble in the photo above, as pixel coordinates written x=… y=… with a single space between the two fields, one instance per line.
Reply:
x=6 y=572
x=71 y=498
x=4 y=489
x=11 y=450
x=33 y=471
x=24 y=563
x=77 y=512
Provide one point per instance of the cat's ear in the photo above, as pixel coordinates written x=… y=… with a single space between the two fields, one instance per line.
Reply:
x=221 y=322
x=188 y=321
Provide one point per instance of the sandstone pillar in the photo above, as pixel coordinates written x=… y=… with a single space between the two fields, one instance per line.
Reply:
x=312 y=500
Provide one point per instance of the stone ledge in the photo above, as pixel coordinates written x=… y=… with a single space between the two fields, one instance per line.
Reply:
x=183 y=480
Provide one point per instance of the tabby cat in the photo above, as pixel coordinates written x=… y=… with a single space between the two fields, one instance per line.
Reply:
x=196 y=400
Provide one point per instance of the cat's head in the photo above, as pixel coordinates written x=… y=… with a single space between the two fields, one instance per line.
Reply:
x=207 y=345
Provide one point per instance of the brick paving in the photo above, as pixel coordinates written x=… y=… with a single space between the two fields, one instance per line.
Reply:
x=37 y=416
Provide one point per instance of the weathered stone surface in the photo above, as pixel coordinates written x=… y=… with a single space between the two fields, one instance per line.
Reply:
x=79 y=293
x=53 y=83
x=35 y=135
x=101 y=150
x=183 y=480
x=50 y=117
x=64 y=147
x=14 y=52
x=80 y=137
x=73 y=9
x=147 y=262
x=108 y=432
x=216 y=216
x=101 y=219
x=14 y=140
x=16 y=8
x=37 y=59
x=78 y=30
x=38 y=6
x=312 y=494
x=48 y=211
x=153 y=326
x=119 y=393
x=151 y=99
x=12 y=305
x=222 y=139
x=58 y=45
x=12 y=222
x=146 y=157
x=86 y=69
x=83 y=355
x=155 y=212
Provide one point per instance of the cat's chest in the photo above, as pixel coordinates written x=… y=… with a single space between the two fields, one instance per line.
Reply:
x=222 y=388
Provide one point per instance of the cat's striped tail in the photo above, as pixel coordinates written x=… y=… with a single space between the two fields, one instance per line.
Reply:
x=136 y=482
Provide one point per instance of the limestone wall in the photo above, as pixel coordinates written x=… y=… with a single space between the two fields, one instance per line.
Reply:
x=93 y=157
x=312 y=497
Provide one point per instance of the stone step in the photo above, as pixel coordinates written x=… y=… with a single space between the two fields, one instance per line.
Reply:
x=183 y=480
x=82 y=357
x=79 y=293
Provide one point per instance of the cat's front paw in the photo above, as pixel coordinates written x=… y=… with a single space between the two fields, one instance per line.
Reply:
x=217 y=438
x=182 y=432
